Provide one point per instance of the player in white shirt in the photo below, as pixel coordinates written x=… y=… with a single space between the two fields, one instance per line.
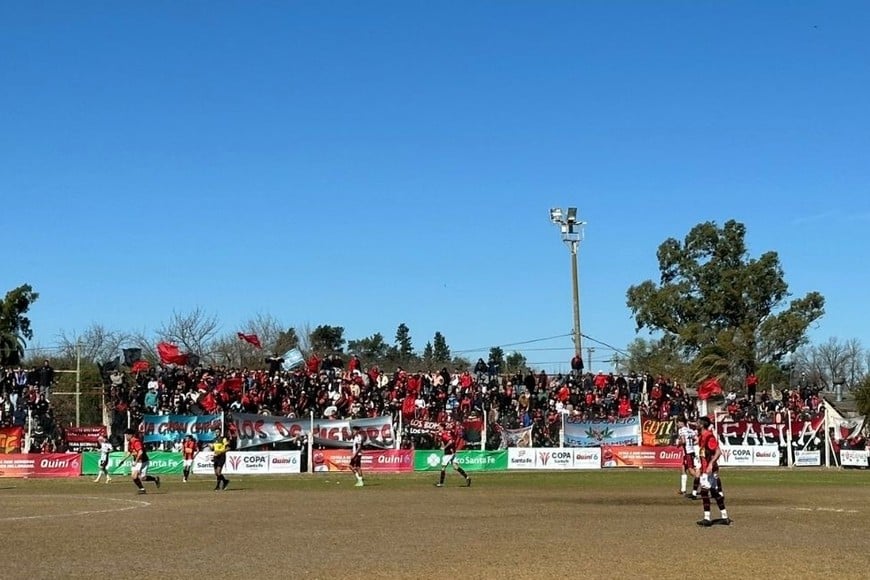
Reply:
x=105 y=449
x=359 y=439
x=687 y=439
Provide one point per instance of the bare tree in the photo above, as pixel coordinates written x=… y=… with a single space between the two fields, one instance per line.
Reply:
x=855 y=365
x=98 y=344
x=194 y=332
x=303 y=331
x=833 y=357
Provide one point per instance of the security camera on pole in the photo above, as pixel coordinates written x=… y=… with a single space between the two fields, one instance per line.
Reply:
x=572 y=234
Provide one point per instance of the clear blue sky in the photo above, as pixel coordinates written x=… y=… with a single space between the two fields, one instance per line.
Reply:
x=365 y=164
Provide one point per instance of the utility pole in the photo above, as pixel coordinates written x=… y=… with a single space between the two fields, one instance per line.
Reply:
x=589 y=351
x=572 y=234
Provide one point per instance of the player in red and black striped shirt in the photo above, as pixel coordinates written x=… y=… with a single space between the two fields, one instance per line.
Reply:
x=710 y=482
x=449 y=443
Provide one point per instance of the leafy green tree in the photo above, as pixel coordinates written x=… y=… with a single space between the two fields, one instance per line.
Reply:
x=440 y=350
x=428 y=357
x=327 y=339
x=514 y=363
x=372 y=349
x=404 y=348
x=657 y=357
x=725 y=311
x=460 y=363
x=286 y=340
x=15 y=328
x=496 y=355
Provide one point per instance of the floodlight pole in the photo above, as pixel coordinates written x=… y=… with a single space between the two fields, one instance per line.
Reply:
x=572 y=235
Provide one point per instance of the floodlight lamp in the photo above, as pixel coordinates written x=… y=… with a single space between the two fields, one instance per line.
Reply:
x=572 y=215
x=555 y=215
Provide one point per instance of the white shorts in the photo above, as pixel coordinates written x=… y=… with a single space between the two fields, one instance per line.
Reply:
x=141 y=468
x=447 y=460
x=188 y=463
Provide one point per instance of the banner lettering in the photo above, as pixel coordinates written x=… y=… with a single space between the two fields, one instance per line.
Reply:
x=387 y=461
x=44 y=465
x=646 y=456
x=174 y=428
x=755 y=433
x=657 y=433
x=853 y=458
x=159 y=463
x=468 y=460
x=251 y=463
x=83 y=438
x=597 y=433
x=11 y=439
x=255 y=430
x=554 y=458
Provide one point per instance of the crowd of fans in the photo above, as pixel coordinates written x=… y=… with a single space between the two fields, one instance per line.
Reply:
x=331 y=387
x=24 y=396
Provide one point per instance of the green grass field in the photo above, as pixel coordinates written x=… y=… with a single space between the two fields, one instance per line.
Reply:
x=613 y=524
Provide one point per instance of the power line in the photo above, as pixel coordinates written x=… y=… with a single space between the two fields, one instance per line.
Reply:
x=486 y=348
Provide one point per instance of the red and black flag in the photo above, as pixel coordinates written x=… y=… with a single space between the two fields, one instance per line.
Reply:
x=131 y=356
x=250 y=339
x=169 y=354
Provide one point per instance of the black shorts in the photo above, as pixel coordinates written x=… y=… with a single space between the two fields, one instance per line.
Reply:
x=356 y=461
x=220 y=460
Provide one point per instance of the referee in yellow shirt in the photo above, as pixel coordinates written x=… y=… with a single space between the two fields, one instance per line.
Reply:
x=219 y=449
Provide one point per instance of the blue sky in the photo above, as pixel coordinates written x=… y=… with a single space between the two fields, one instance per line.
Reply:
x=367 y=164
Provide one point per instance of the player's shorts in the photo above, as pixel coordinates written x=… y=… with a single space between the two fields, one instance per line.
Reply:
x=188 y=463
x=447 y=459
x=220 y=460
x=689 y=461
x=141 y=467
x=711 y=481
x=356 y=461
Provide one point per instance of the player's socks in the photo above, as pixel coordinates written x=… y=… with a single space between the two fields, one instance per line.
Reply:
x=724 y=514
x=707 y=515
x=441 y=478
x=683 y=479
x=138 y=483
x=462 y=472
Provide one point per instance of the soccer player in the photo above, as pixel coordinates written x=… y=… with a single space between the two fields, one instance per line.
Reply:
x=359 y=439
x=219 y=449
x=188 y=451
x=105 y=449
x=710 y=483
x=687 y=438
x=139 y=471
x=448 y=446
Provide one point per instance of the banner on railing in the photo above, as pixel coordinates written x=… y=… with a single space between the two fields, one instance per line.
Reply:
x=657 y=433
x=159 y=463
x=517 y=437
x=755 y=433
x=254 y=430
x=846 y=427
x=554 y=458
x=386 y=461
x=83 y=438
x=44 y=465
x=250 y=463
x=173 y=428
x=807 y=458
x=853 y=457
x=597 y=433
x=11 y=439
x=645 y=456
x=468 y=460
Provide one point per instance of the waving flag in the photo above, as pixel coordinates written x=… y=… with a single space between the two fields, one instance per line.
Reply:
x=709 y=388
x=169 y=354
x=132 y=356
x=250 y=339
x=140 y=366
